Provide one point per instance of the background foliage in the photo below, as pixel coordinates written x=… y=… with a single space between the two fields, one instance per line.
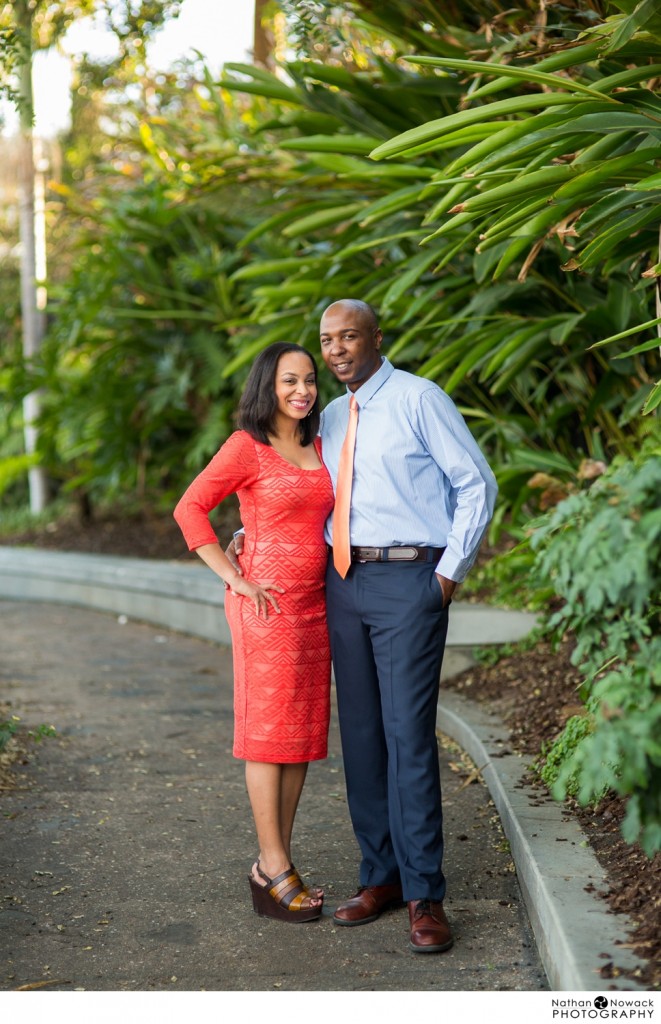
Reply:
x=245 y=209
x=601 y=551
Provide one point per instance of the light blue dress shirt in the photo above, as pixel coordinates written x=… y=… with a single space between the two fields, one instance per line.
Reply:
x=419 y=475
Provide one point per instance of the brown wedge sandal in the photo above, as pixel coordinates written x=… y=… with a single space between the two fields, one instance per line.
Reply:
x=312 y=890
x=281 y=897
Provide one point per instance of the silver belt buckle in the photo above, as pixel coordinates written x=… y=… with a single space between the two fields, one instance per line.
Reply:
x=404 y=554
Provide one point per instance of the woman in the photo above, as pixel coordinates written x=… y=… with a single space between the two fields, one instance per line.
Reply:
x=275 y=606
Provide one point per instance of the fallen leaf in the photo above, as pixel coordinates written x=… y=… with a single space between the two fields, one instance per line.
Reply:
x=40 y=984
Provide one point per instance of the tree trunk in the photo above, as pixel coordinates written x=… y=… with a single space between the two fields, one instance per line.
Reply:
x=33 y=254
x=262 y=50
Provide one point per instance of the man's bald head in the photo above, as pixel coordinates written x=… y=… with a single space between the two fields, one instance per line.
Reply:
x=359 y=308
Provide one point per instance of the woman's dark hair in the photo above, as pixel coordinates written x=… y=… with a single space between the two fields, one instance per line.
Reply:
x=258 y=403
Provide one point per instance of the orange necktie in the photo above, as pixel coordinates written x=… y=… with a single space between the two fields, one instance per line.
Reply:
x=341 y=541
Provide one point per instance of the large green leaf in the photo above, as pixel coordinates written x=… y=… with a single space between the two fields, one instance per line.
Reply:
x=336 y=143
x=473 y=356
x=644 y=12
x=574 y=56
x=269 y=90
x=376 y=242
x=526 y=74
x=519 y=361
x=390 y=204
x=322 y=219
x=607 y=171
x=526 y=185
x=608 y=240
x=626 y=334
x=654 y=399
x=605 y=209
x=263 y=83
x=431 y=131
x=414 y=271
x=263 y=268
x=526 y=234
x=539 y=129
x=502 y=227
x=647 y=346
x=629 y=77
x=652 y=182
x=514 y=343
x=351 y=168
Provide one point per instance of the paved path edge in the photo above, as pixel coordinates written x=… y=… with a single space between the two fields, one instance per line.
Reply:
x=576 y=934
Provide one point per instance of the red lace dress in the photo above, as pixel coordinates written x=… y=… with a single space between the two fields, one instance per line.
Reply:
x=281 y=664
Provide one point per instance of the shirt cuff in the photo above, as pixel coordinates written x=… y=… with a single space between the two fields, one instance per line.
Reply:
x=453 y=568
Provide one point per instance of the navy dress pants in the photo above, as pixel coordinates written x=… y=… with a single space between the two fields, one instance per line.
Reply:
x=387 y=630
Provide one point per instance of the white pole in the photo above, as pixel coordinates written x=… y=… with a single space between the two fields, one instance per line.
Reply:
x=33 y=260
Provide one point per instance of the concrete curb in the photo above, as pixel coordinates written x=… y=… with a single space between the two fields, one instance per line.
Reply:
x=177 y=595
x=552 y=858
x=184 y=596
x=575 y=933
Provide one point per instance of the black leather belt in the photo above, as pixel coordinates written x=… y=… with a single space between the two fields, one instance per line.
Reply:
x=407 y=553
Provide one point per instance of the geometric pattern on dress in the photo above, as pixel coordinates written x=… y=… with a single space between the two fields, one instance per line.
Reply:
x=281 y=665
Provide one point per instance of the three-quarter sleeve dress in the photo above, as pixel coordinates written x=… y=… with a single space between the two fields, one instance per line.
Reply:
x=281 y=663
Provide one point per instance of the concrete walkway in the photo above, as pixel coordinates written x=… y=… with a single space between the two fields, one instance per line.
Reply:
x=129 y=837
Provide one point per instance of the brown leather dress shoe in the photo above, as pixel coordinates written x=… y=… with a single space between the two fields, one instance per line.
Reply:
x=430 y=930
x=367 y=904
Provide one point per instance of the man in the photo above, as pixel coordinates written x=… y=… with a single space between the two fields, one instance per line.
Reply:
x=421 y=497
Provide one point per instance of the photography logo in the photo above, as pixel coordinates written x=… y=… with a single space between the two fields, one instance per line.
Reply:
x=624 y=1007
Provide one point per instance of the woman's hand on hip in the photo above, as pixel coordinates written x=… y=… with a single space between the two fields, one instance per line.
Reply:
x=262 y=595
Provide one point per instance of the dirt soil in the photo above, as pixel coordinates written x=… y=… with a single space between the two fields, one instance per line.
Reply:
x=534 y=692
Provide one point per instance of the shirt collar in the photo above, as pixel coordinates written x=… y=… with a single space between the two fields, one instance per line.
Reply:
x=373 y=383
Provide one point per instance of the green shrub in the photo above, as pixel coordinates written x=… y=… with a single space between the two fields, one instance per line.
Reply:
x=11 y=726
x=7 y=729
x=557 y=767
x=601 y=550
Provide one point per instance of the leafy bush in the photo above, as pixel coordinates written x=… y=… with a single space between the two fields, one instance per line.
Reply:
x=502 y=579
x=8 y=728
x=601 y=549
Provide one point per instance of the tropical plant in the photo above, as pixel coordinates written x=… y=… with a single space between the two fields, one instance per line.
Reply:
x=132 y=369
x=600 y=549
x=581 y=175
x=522 y=354
x=283 y=178
x=27 y=26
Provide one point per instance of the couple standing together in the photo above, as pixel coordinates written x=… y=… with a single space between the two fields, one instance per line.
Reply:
x=359 y=523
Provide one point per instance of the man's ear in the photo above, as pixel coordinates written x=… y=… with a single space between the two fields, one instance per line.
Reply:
x=378 y=337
